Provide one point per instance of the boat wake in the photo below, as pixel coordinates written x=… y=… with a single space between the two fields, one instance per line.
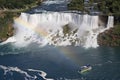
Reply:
x=9 y=73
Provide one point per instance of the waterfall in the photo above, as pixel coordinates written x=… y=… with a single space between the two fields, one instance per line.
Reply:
x=110 y=21
x=49 y=28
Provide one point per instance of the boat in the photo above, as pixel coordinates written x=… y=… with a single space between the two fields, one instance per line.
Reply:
x=85 y=69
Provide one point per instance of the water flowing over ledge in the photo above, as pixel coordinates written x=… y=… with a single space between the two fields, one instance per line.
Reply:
x=59 y=29
x=58 y=26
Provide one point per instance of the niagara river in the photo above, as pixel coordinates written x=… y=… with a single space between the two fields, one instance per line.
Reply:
x=51 y=42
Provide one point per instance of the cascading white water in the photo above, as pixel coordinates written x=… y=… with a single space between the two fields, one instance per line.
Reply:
x=110 y=21
x=48 y=28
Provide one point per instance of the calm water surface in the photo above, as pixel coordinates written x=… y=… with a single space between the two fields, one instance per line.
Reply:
x=62 y=62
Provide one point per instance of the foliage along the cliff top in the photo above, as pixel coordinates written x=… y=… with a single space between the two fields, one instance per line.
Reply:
x=105 y=6
x=110 y=6
x=12 y=4
x=76 y=5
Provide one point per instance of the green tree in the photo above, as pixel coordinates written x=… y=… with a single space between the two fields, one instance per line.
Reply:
x=76 y=5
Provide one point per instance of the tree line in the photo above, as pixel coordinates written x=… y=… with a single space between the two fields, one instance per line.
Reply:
x=105 y=6
x=110 y=6
x=12 y=4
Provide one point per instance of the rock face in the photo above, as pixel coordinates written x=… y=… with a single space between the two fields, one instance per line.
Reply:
x=6 y=25
x=109 y=38
x=7 y=33
x=103 y=19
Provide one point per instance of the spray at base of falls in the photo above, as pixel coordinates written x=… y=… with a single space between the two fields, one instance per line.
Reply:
x=48 y=28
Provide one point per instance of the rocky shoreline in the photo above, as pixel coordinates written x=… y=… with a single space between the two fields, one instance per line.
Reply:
x=6 y=26
x=9 y=33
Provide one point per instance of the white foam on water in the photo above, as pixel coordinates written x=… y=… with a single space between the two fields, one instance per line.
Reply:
x=16 y=69
x=9 y=40
x=41 y=73
x=25 y=73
